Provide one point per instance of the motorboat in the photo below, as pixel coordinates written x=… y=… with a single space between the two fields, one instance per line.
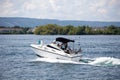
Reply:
x=58 y=49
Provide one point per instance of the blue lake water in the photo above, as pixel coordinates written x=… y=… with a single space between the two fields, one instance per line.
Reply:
x=19 y=62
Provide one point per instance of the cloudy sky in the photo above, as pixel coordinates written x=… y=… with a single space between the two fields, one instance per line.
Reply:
x=88 y=10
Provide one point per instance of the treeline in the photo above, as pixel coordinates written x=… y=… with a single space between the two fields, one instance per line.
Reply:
x=15 y=30
x=53 y=29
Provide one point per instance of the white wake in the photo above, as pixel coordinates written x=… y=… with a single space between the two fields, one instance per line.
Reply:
x=105 y=61
x=100 y=61
x=54 y=60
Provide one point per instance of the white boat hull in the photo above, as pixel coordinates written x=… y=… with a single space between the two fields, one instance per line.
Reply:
x=43 y=51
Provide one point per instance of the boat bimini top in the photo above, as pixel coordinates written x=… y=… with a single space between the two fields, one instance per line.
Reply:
x=64 y=40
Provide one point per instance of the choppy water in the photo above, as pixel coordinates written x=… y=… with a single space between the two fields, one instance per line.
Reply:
x=101 y=59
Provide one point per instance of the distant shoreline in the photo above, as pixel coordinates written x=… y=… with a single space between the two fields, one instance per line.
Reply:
x=54 y=29
x=15 y=30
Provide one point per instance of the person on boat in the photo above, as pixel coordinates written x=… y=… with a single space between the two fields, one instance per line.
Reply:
x=67 y=49
x=64 y=46
x=58 y=45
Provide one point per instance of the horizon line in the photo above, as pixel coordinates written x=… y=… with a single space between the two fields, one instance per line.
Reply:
x=58 y=19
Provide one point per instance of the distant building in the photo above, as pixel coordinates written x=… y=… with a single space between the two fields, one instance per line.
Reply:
x=10 y=30
x=98 y=28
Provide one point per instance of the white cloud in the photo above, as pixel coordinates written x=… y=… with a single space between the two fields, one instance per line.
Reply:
x=100 y=10
x=7 y=8
x=29 y=5
x=98 y=6
x=114 y=2
x=53 y=5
